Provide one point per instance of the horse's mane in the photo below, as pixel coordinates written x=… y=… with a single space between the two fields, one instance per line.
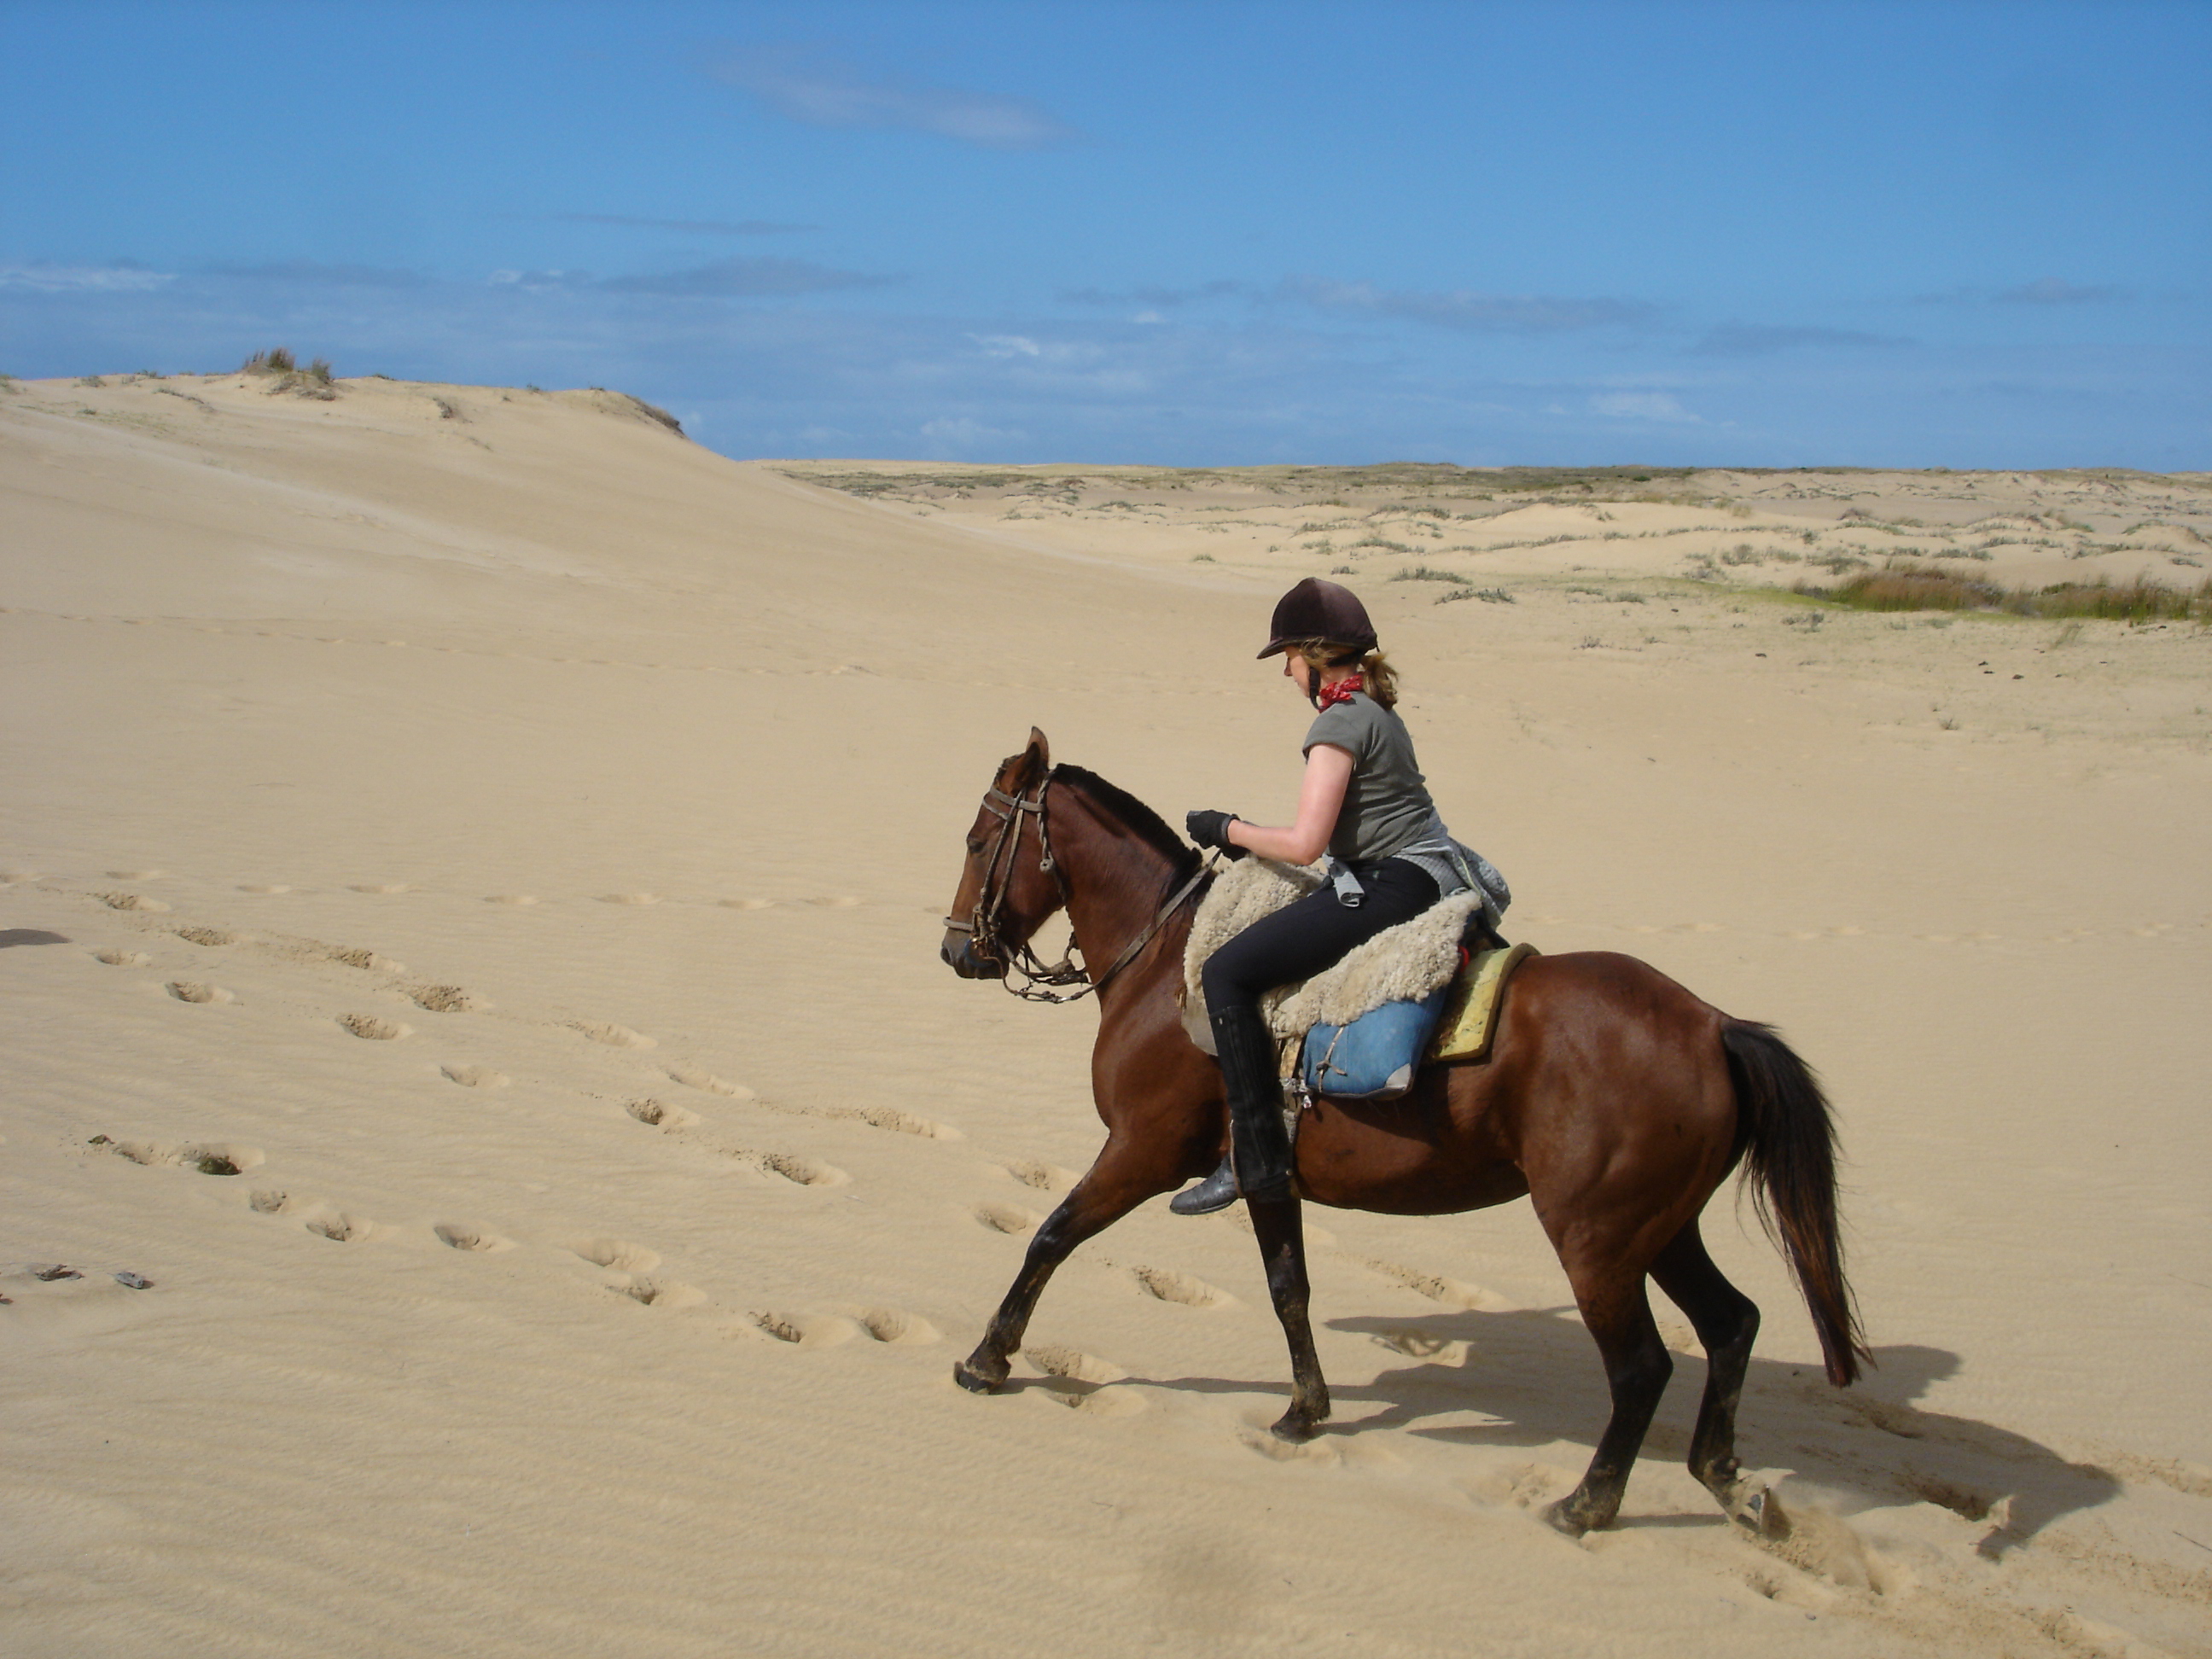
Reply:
x=1118 y=802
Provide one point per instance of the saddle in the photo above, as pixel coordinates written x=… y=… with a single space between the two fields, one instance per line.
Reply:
x=1427 y=989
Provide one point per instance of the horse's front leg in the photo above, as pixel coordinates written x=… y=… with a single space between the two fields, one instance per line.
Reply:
x=1123 y=1178
x=1278 y=1224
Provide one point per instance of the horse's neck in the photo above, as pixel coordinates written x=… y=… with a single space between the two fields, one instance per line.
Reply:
x=1117 y=882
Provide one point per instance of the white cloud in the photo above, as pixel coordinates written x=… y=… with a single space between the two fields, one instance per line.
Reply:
x=82 y=279
x=1007 y=345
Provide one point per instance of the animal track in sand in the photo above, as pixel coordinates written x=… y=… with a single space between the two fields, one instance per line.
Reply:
x=1452 y=1292
x=122 y=958
x=617 y=1253
x=342 y=1229
x=1006 y=1217
x=898 y=1123
x=474 y=1076
x=469 y=1238
x=131 y=902
x=745 y=903
x=806 y=1330
x=375 y=887
x=692 y=1077
x=264 y=888
x=630 y=898
x=897 y=1326
x=1045 y=1177
x=9 y=878
x=511 y=898
x=799 y=1171
x=367 y=959
x=374 y=1029
x=209 y=936
x=1073 y=1363
x=1168 y=1285
x=615 y=1036
x=267 y=1200
x=447 y=1000
x=658 y=1293
x=185 y=990
x=136 y=875
x=660 y=1115
x=208 y=1158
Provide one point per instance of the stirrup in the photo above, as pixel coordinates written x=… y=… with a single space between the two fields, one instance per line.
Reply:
x=1217 y=1192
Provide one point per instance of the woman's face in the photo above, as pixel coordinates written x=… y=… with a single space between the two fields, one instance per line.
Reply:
x=1299 y=673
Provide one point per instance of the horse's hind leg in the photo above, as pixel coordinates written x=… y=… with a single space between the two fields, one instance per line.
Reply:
x=1619 y=1314
x=1111 y=1189
x=1727 y=1322
x=1279 y=1226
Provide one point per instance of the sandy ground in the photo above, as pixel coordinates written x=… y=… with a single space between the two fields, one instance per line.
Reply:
x=480 y=872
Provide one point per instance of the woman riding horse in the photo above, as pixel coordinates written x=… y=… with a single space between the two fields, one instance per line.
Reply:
x=1365 y=803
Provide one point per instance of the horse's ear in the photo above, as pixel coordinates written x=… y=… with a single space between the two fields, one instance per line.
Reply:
x=1037 y=759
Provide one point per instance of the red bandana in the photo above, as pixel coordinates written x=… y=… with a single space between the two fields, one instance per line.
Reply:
x=1329 y=696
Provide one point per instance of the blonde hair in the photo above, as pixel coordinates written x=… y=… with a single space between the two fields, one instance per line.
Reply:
x=1381 y=680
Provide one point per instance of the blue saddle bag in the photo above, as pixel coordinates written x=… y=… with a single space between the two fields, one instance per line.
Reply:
x=1374 y=1057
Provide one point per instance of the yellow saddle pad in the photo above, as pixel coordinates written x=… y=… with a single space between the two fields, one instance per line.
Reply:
x=1470 y=1017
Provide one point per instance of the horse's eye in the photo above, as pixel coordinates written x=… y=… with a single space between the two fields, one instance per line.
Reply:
x=975 y=844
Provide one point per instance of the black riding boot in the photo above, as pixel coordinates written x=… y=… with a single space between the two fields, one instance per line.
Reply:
x=1259 y=1162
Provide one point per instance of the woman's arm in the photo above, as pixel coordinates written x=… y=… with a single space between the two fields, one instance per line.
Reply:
x=1321 y=798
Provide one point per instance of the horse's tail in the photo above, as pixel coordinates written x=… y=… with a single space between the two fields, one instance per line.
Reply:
x=1789 y=1145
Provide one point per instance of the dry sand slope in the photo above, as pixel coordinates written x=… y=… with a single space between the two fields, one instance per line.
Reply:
x=479 y=873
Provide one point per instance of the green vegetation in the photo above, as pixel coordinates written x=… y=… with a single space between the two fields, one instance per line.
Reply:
x=1422 y=572
x=1899 y=588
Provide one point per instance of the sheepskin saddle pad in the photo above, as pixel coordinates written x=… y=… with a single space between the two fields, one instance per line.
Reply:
x=1403 y=964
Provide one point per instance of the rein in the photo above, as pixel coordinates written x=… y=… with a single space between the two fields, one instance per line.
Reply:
x=982 y=924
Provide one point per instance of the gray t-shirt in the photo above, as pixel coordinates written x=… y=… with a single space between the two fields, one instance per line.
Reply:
x=1386 y=805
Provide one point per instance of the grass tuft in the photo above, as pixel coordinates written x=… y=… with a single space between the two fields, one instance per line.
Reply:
x=1425 y=573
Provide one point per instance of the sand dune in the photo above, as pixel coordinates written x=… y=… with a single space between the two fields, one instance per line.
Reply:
x=472 y=896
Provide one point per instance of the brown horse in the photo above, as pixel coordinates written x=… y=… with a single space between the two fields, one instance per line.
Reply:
x=1612 y=1097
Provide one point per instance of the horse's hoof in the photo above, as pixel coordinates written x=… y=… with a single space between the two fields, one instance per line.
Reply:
x=1563 y=1520
x=979 y=1379
x=1757 y=1508
x=1295 y=1427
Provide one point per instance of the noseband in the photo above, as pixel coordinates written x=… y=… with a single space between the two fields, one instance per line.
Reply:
x=982 y=924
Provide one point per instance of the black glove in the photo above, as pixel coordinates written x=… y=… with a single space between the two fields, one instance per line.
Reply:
x=1212 y=829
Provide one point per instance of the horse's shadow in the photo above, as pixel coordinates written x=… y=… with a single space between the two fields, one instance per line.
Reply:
x=1535 y=1375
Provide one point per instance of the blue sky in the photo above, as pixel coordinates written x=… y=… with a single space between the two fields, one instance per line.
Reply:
x=1778 y=233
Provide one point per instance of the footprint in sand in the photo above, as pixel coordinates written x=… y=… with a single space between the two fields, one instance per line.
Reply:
x=474 y=1076
x=374 y=887
x=660 y=1114
x=447 y=1000
x=265 y=888
x=136 y=875
x=745 y=903
x=342 y=1229
x=1452 y=1292
x=805 y=1330
x=208 y=936
x=185 y=990
x=1082 y=1381
x=461 y=1237
x=1073 y=1365
x=356 y=958
x=894 y=1325
x=511 y=898
x=208 y=1158
x=1006 y=1217
x=131 y=902
x=614 y=1036
x=374 y=1029
x=618 y=1254
x=122 y=958
x=799 y=1171
x=898 y=1123
x=630 y=898
x=267 y=1200
x=1168 y=1286
x=658 y=1293
x=692 y=1077
x=1045 y=1177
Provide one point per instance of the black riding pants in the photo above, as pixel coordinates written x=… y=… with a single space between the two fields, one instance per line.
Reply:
x=1301 y=939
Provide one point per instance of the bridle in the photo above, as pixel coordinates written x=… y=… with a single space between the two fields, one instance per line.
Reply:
x=982 y=924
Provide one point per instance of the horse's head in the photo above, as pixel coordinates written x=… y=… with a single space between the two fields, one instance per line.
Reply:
x=1007 y=884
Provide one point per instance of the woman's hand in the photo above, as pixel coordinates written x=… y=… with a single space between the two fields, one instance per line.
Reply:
x=1211 y=828
x=1321 y=799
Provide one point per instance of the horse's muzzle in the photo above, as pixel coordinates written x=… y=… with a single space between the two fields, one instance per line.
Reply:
x=958 y=953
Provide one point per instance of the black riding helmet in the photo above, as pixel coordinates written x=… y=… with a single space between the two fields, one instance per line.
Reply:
x=1318 y=610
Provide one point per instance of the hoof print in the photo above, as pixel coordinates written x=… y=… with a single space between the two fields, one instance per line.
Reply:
x=267 y=1200
x=374 y=1030
x=891 y=1325
x=461 y=1237
x=447 y=1000
x=905 y=1123
x=659 y=1292
x=799 y=1171
x=706 y=1083
x=185 y=990
x=474 y=1077
x=1072 y=1366
x=804 y=1330
x=367 y=960
x=133 y=902
x=1167 y=1285
x=615 y=1036
x=122 y=958
x=342 y=1229
x=660 y=1114
x=1045 y=1177
x=1006 y=1217
x=617 y=1253
x=208 y=936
